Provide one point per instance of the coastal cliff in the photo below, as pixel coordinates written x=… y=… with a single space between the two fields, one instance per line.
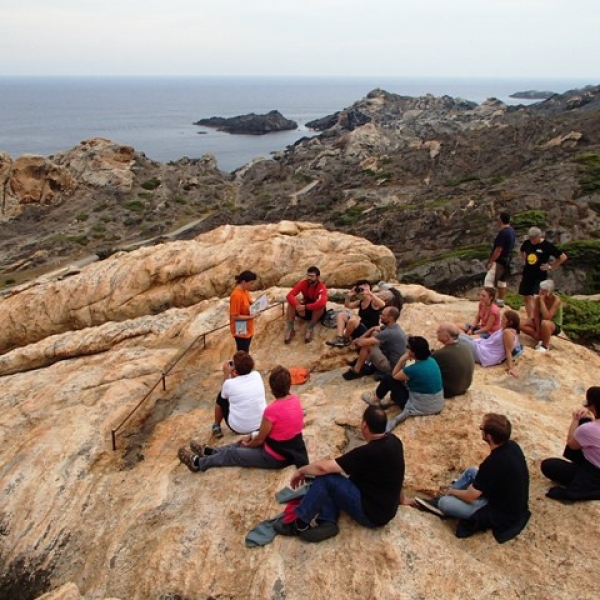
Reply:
x=80 y=521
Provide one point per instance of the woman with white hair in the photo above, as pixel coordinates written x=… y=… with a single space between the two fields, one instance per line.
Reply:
x=547 y=317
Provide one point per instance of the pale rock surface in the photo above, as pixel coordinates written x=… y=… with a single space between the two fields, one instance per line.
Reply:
x=94 y=524
x=176 y=274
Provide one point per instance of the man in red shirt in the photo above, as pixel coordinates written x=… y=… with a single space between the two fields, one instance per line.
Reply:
x=307 y=300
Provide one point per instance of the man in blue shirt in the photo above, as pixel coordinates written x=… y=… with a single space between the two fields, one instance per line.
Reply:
x=499 y=263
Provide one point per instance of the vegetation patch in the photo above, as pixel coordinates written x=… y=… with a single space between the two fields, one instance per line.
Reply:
x=582 y=320
x=100 y=207
x=529 y=218
x=350 y=216
x=135 y=206
x=460 y=180
x=585 y=255
x=590 y=172
x=151 y=184
x=82 y=216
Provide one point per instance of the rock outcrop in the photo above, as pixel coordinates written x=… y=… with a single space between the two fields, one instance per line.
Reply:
x=250 y=124
x=78 y=520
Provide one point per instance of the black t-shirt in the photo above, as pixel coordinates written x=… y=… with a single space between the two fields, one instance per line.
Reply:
x=537 y=255
x=503 y=479
x=369 y=316
x=377 y=469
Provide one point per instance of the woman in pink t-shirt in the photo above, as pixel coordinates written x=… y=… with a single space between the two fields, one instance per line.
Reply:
x=488 y=316
x=277 y=444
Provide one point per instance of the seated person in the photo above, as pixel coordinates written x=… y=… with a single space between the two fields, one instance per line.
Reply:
x=277 y=444
x=417 y=388
x=307 y=300
x=547 y=316
x=495 y=495
x=501 y=346
x=382 y=346
x=349 y=326
x=455 y=361
x=579 y=475
x=487 y=319
x=241 y=401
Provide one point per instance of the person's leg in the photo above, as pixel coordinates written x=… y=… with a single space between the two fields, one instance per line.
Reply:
x=527 y=326
x=340 y=323
x=501 y=273
x=546 y=330
x=380 y=360
x=559 y=470
x=529 y=305
x=351 y=325
x=453 y=506
x=316 y=316
x=327 y=496
x=243 y=344
x=221 y=409
x=363 y=356
x=234 y=455
x=398 y=389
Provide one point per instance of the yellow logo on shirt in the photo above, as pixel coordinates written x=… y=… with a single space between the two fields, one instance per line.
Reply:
x=532 y=259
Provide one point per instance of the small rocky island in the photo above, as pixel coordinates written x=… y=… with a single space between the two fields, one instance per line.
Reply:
x=532 y=95
x=250 y=124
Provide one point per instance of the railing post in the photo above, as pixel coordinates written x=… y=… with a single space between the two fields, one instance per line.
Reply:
x=164 y=381
x=113 y=435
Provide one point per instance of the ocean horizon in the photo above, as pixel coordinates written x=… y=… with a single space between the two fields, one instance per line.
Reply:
x=155 y=115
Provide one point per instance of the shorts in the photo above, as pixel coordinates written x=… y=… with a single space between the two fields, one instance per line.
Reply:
x=361 y=329
x=496 y=276
x=529 y=287
x=557 y=329
x=380 y=360
x=307 y=316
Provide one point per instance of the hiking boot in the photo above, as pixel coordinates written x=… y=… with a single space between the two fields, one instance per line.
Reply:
x=188 y=459
x=342 y=341
x=323 y=531
x=198 y=448
x=217 y=431
x=430 y=506
x=351 y=374
x=336 y=341
x=283 y=528
x=289 y=336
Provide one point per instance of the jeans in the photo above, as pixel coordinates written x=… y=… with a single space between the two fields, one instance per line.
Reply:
x=327 y=496
x=235 y=455
x=455 y=507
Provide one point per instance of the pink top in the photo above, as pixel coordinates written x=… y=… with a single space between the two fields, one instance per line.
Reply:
x=484 y=314
x=287 y=417
x=588 y=436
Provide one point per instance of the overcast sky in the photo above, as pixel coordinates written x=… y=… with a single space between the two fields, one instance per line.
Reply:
x=396 y=38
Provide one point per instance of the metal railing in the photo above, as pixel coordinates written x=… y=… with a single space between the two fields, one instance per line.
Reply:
x=163 y=377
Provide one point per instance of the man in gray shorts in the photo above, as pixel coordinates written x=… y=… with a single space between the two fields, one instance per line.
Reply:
x=382 y=345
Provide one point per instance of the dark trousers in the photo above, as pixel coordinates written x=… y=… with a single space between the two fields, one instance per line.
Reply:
x=398 y=390
x=242 y=344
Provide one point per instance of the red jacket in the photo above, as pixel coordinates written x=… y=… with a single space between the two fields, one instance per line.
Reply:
x=314 y=297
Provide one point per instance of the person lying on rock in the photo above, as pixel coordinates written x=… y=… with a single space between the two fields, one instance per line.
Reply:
x=494 y=496
x=502 y=345
x=416 y=388
x=381 y=345
x=578 y=474
x=547 y=317
x=370 y=493
x=349 y=326
x=277 y=444
x=241 y=401
x=307 y=300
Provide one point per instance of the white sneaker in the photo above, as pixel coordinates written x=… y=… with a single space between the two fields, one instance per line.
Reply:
x=538 y=344
x=541 y=349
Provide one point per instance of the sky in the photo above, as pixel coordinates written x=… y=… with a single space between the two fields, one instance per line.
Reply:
x=394 y=38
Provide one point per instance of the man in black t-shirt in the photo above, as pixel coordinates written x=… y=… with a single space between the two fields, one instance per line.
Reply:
x=536 y=253
x=370 y=494
x=495 y=496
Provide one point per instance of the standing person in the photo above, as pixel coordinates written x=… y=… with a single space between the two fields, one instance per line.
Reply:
x=578 y=474
x=277 y=444
x=495 y=495
x=370 y=493
x=382 y=345
x=487 y=319
x=241 y=401
x=499 y=263
x=241 y=322
x=455 y=361
x=536 y=253
x=309 y=307
x=547 y=317
x=350 y=326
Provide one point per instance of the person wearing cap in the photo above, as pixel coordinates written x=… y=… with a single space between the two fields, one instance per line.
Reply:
x=536 y=253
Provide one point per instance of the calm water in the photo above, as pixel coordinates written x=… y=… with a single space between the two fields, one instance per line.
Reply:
x=155 y=115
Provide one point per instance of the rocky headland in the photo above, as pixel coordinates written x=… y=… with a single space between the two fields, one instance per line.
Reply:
x=250 y=124
x=81 y=522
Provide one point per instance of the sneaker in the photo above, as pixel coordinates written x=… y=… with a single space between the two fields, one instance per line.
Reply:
x=538 y=344
x=430 y=506
x=188 y=459
x=289 y=336
x=370 y=399
x=518 y=351
x=351 y=362
x=283 y=528
x=500 y=303
x=198 y=448
x=216 y=430
x=336 y=341
x=323 y=531
x=351 y=374
x=542 y=349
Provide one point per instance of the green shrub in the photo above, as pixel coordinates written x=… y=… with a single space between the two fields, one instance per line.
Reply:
x=179 y=200
x=590 y=175
x=582 y=320
x=514 y=300
x=145 y=195
x=135 y=206
x=82 y=216
x=151 y=184
x=82 y=240
x=9 y=281
x=585 y=255
x=465 y=179
x=529 y=218
x=100 y=207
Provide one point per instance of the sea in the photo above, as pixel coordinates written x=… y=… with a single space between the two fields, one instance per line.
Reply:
x=155 y=115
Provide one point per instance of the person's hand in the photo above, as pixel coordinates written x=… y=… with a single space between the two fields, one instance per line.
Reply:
x=301 y=309
x=297 y=479
x=545 y=267
x=512 y=371
x=582 y=413
x=245 y=441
